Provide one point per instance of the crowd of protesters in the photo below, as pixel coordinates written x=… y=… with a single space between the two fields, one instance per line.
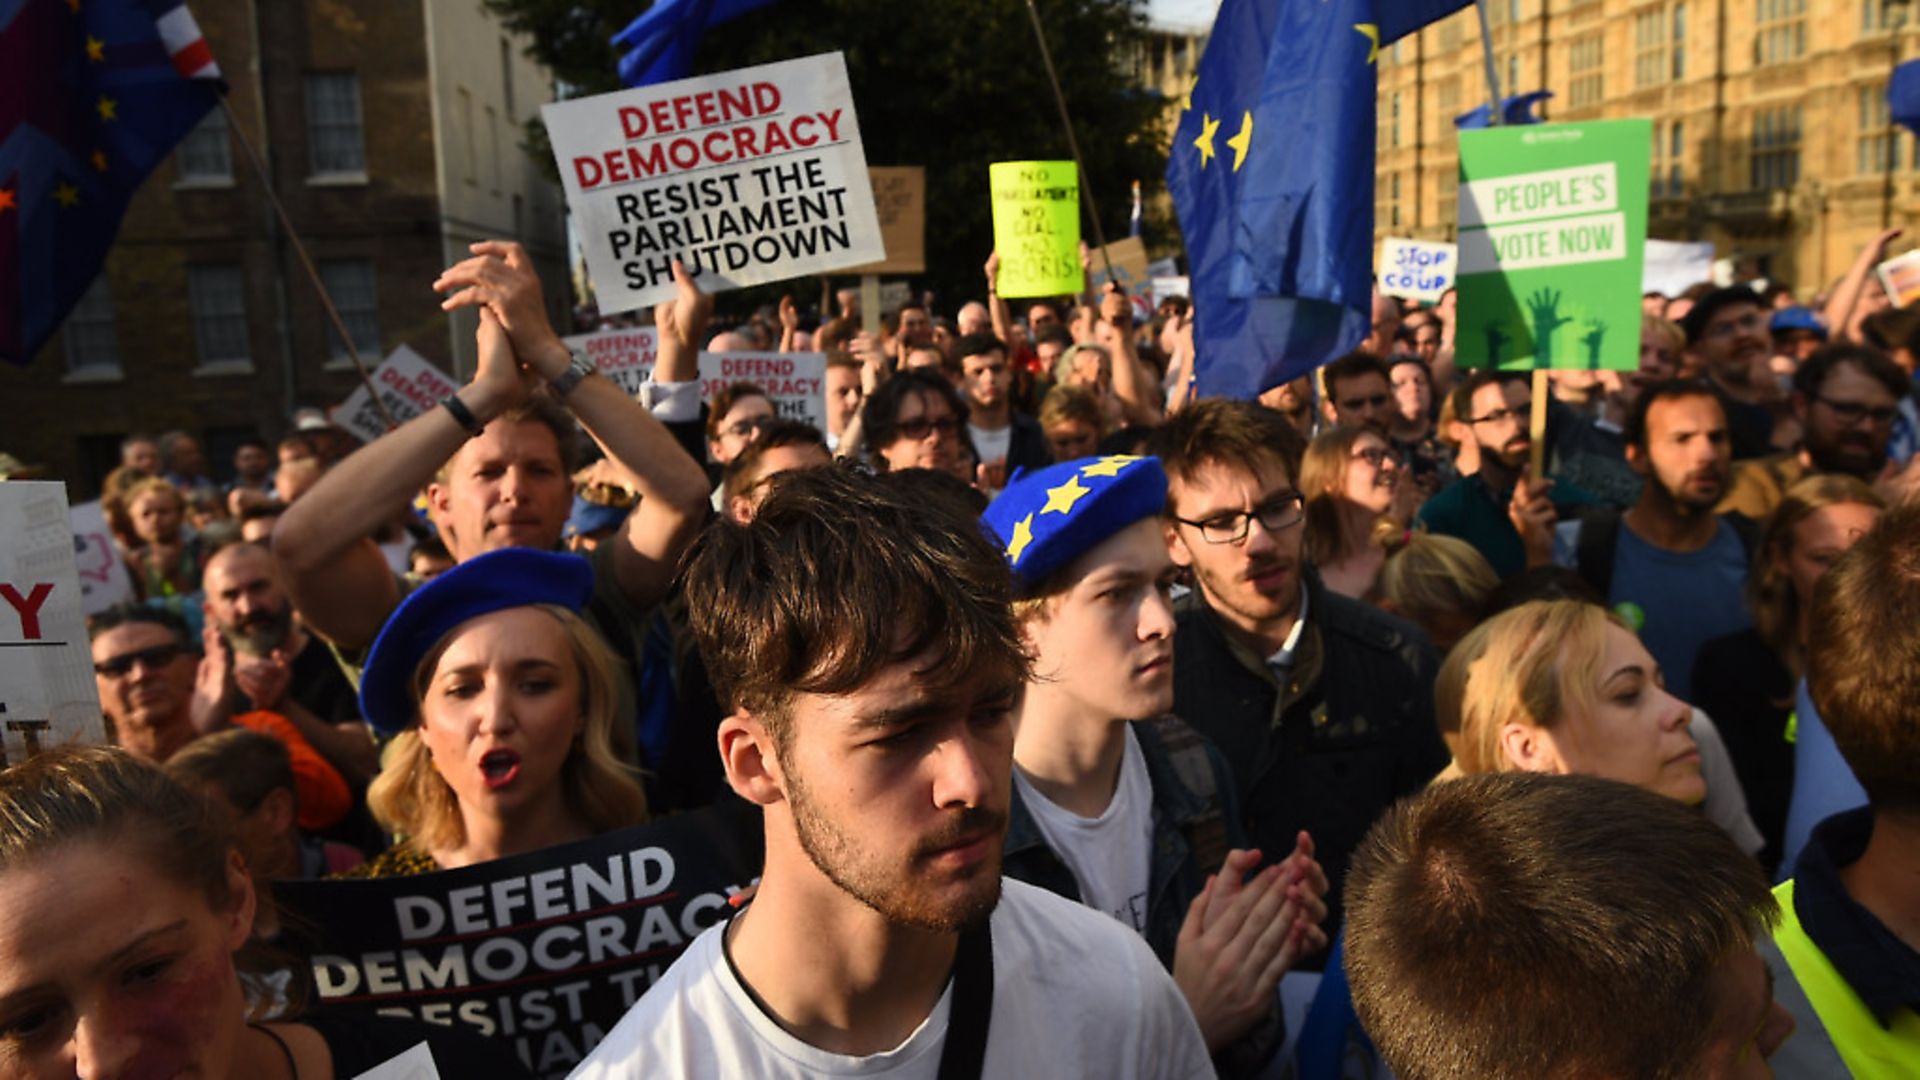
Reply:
x=1085 y=715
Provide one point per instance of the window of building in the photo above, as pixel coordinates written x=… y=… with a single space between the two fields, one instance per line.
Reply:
x=493 y=147
x=1679 y=41
x=1879 y=16
x=1776 y=148
x=1649 y=47
x=1513 y=75
x=93 y=349
x=1393 y=198
x=335 y=139
x=1393 y=138
x=1874 y=142
x=351 y=284
x=205 y=154
x=1780 y=30
x=1453 y=32
x=1584 y=60
x=218 y=296
x=466 y=131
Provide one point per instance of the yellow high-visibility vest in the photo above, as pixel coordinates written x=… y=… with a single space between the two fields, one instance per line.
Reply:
x=1871 y=1052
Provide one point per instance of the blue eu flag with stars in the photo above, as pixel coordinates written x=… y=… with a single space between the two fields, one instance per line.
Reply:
x=1271 y=174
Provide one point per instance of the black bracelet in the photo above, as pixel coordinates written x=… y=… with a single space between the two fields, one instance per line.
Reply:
x=463 y=415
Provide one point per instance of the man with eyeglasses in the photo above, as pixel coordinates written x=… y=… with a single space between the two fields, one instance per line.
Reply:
x=916 y=420
x=1322 y=704
x=1845 y=398
x=1359 y=393
x=1729 y=339
x=159 y=693
x=1506 y=515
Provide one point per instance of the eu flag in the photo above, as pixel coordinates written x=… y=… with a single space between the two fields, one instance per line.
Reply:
x=1517 y=109
x=1903 y=95
x=95 y=94
x=659 y=45
x=1272 y=177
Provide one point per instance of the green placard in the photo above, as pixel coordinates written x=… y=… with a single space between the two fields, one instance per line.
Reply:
x=1036 y=227
x=1553 y=227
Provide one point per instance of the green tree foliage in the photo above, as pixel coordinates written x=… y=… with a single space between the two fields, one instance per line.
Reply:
x=952 y=85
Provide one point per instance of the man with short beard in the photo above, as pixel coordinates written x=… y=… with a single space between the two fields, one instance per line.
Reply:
x=1502 y=512
x=863 y=638
x=278 y=665
x=1670 y=566
x=1323 y=705
x=1845 y=398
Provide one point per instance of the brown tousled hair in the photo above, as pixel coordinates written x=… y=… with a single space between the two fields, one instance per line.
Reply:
x=1516 y=926
x=1222 y=431
x=1863 y=663
x=839 y=575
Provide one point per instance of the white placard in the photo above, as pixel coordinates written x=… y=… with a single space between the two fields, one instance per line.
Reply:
x=416 y=1064
x=1165 y=285
x=407 y=383
x=1672 y=268
x=796 y=382
x=1546 y=195
x=103 y=576
x=47 y=696
x=747 y=176
x=1417 y=269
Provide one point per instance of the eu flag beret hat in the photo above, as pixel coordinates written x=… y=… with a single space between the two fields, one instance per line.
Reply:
x=1047 y=518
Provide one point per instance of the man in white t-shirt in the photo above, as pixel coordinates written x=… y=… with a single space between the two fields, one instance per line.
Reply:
x=1006 y=438
x=1117 y=803
x=859 y=629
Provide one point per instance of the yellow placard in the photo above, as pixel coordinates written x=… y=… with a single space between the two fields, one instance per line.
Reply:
x=1036 y=227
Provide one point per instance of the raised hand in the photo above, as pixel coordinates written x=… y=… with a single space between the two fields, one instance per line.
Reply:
x=1592 y=340
x=1544 y=306
x=211 y=707
x=500 y=277
x=686 y=315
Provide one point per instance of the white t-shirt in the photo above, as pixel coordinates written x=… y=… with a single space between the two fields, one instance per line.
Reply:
x=1111 y=856
x=1073 y=995
x=993 y=443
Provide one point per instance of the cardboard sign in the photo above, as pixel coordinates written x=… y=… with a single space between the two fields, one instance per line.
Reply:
x=1553 y=224
x=894 y=295
x=47 y=695
x=1036 y=227
x=1417 y=269
x=409 y=386
x=900 y=200
x=796 y=382
x=1900 y=276
x=747 y=176
x=542 y=952
x=1673 y=267
x=1129 y=259
x=104 y=581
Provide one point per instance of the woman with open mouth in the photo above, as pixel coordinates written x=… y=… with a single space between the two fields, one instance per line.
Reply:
x=500 y=700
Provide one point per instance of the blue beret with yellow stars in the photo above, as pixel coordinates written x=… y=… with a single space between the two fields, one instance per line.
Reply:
x=1047 y=518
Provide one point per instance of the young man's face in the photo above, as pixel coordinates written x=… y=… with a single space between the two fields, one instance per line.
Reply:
x=843 y=396
x=928 y=437
x=744 y=422
x=1362 y=401
x=988 y=379
x=1689 y=453
x=898 y=792
x=1255 y=579
x=1106 y=641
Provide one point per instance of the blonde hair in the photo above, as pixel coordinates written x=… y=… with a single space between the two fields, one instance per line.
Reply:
x=1776 y=610
x=1668 y=333
x=1536 y=663
x=1427 y=577
x=1063 y=367
x=409 y=797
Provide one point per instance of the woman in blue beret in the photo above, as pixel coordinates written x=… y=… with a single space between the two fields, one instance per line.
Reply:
x=500 y=700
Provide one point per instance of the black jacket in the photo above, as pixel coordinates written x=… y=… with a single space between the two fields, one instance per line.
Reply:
x=1354 y=732
x=1027 y=447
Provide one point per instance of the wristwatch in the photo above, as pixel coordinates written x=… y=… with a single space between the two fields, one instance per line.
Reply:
x=570 y=378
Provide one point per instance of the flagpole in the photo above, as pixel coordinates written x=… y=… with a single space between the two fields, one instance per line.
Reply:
x=1066 y=121
x=1493 y=69
x=313 y=274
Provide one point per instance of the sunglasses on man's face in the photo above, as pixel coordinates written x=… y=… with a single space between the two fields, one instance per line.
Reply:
x=158 y=656
x=917 y=429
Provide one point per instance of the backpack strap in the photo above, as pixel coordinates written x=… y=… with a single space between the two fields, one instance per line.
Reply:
x=1594 y=548
x=964 y=1054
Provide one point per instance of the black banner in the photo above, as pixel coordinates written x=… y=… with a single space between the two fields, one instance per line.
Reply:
x=544 y=951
